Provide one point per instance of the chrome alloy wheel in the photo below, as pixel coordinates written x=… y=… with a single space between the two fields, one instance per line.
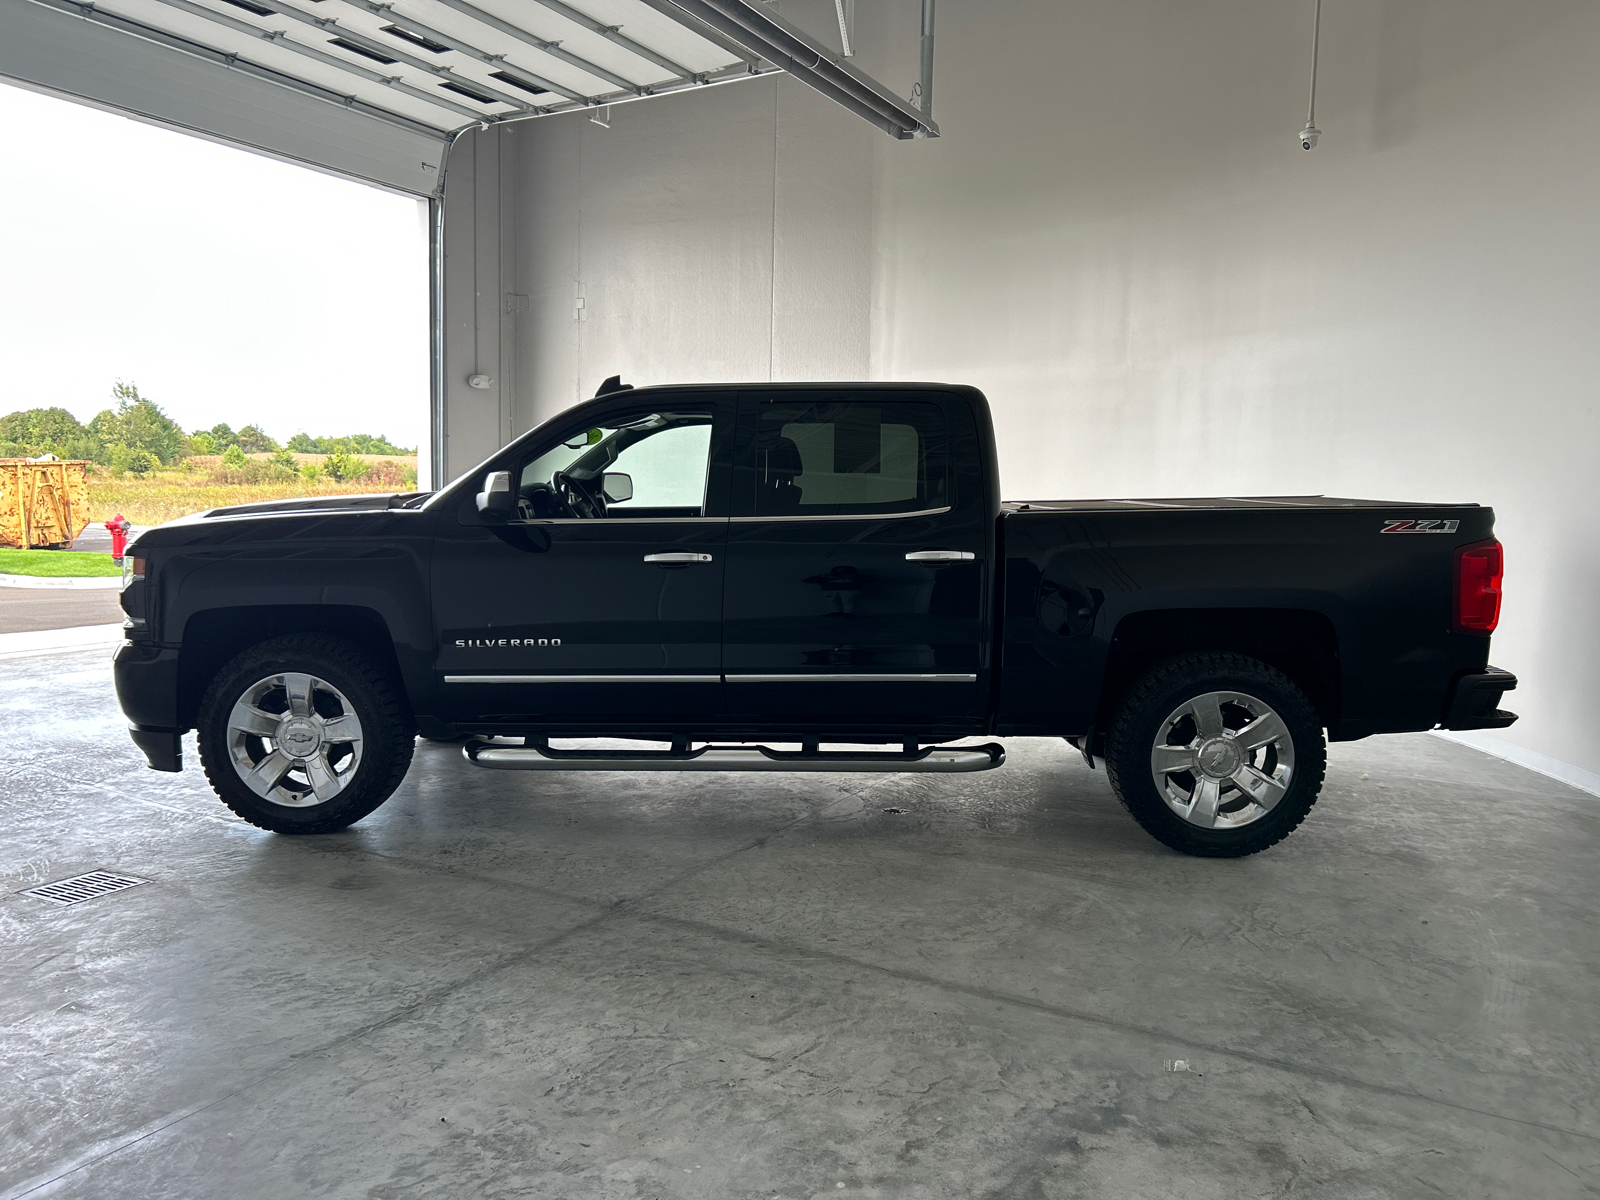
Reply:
x=1222 y=760
x=294 y=739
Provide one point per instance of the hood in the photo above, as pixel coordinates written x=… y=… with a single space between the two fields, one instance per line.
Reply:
x=374 y=500
x=226 y=525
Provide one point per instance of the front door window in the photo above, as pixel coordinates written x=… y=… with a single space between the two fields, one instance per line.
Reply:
x=654 y=464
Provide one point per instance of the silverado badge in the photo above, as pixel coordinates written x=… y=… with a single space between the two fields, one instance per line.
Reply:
x=491 y=643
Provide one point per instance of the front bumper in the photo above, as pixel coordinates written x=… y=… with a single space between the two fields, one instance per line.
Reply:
x=146 y=678
x=163 y=748
x=1475 y=701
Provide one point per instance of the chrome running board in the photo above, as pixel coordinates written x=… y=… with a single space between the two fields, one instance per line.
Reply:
x=539 y=757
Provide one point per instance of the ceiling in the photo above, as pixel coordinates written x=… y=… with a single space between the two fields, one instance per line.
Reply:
x=376 y=89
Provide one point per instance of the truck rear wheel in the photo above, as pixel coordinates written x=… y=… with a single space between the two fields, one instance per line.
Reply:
x=1216 y=755
x=304 y=734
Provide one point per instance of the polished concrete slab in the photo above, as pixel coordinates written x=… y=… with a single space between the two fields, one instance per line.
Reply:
x=633 y=986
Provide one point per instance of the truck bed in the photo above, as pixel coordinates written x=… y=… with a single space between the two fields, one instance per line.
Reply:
x=1094 y=589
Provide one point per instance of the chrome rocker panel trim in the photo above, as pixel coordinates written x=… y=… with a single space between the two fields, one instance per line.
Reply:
x=583 y=678
x=814 y=678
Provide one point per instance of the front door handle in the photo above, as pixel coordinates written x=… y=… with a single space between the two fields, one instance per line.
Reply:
x=940 y=556
x=677 y=556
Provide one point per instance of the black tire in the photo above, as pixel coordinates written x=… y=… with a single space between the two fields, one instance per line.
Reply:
x=381 y=756
x=1142 y=717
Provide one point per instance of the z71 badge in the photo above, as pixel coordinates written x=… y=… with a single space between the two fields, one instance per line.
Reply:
x=1420 y=526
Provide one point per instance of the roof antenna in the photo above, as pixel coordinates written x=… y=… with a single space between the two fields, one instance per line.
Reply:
x=1310 y=134
x=613 y=384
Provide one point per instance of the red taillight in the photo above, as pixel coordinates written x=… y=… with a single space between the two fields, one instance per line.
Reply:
x=1478 y=571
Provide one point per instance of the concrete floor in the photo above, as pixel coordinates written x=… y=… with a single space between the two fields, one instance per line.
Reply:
x=771 y=986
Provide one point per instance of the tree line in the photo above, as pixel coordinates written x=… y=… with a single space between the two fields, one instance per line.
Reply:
x=136 y=436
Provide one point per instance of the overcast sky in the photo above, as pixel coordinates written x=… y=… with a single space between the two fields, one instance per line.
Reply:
x=228 y=286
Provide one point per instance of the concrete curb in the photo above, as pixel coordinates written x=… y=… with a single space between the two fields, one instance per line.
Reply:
x=88 y=582
x=56 y=641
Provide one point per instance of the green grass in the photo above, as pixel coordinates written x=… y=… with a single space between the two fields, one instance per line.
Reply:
x=56 y=563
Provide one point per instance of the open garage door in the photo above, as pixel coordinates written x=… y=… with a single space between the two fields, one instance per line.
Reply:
x=380 y=92
x=376 y=91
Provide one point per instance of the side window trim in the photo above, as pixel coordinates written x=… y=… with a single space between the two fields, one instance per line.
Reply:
x=620 y=521
x=896 y=516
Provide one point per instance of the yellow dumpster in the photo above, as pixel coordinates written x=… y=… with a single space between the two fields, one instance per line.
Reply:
x=43 y=505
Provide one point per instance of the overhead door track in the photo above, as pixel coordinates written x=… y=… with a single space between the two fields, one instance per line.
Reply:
x=443 y=66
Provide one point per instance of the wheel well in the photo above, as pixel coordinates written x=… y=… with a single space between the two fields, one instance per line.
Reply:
x=1300 y=643
x=212 y=637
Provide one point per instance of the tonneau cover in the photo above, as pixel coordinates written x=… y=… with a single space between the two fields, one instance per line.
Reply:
x=1213 y=502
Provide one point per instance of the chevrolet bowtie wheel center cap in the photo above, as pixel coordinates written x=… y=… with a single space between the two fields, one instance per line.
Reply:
x=1219 y=757
x=300 y=737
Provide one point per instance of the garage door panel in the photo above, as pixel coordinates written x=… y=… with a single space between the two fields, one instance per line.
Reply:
x=66 y=55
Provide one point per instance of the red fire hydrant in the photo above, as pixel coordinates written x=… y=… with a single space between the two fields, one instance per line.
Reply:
x=119 y=526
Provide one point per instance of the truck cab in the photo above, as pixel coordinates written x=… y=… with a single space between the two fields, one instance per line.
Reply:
x=758 y=561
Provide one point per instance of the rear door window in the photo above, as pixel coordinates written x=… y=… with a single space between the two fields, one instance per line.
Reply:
x=845 y=456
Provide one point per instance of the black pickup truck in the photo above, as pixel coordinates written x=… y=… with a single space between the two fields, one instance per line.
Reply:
x=736 y=577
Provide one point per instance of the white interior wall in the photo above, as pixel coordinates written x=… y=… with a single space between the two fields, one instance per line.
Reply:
x=716 y=235
x=1120 y=241
x=480 y=289
x=1163 y=295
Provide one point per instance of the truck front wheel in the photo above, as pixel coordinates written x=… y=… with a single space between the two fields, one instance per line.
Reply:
x=1216 y=755
x=304 y=734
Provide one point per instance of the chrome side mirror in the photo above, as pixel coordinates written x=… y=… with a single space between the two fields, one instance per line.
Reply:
x=617 y=487
x=496 y=499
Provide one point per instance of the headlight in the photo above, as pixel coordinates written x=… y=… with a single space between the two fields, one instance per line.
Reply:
x=132 y=569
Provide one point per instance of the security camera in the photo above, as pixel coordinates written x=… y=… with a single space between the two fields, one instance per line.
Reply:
x=1309 y=136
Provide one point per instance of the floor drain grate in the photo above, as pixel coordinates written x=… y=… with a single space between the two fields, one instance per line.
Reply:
x=83 y=887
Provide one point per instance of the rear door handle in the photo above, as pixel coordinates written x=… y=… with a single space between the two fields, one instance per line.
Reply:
x=939 y=556
x=677 y=556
